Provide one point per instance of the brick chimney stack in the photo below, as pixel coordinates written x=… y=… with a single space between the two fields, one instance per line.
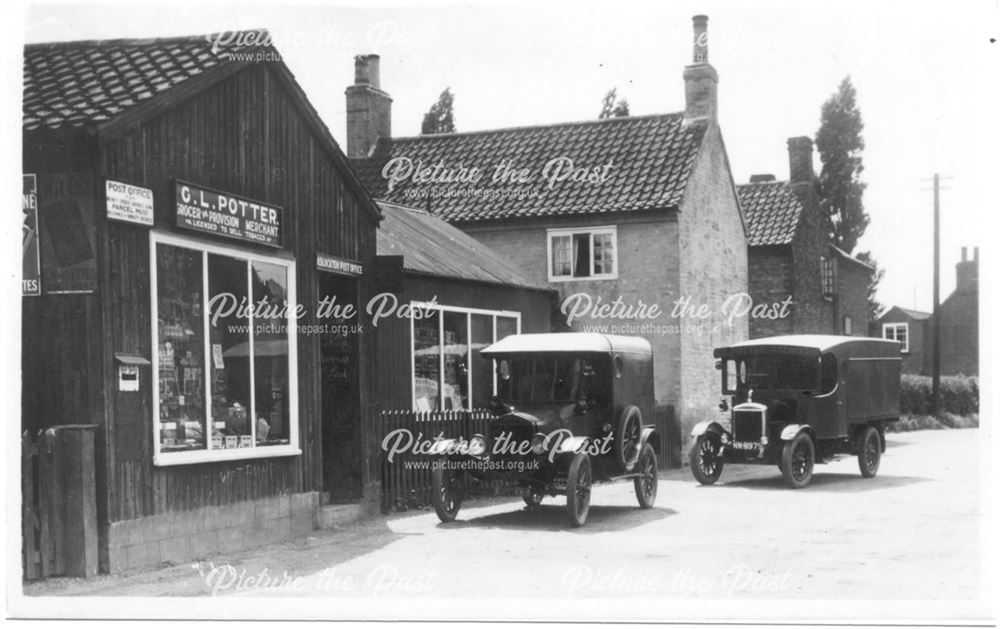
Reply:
x=700 y=78
x=967 y=272
x=800 y=160
x=369 y=109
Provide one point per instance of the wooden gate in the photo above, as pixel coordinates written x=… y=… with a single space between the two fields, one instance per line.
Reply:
x=58 y=503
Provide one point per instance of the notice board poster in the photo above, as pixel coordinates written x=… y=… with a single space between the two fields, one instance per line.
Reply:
x=31 y=275
x=67 y=238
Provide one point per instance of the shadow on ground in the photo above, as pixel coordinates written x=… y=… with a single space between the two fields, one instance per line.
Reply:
x=552 y=517
x=824 y=482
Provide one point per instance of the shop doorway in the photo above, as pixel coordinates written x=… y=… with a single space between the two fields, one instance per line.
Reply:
x=341 y=408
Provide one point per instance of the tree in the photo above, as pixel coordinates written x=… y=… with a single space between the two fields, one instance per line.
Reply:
x=441 y=117
x=612 y=106
x=840 y=144
x=874 y=305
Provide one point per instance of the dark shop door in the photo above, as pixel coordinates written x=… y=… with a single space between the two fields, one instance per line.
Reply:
x=342 y=461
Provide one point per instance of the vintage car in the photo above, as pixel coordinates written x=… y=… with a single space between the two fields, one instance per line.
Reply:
x=801 y=400
x=568 y=413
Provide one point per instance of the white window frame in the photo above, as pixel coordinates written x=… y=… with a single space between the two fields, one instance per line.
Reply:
x=823 y=262
x=551 y=234
x=895 y=327
x=164 y=459
x=440 y=309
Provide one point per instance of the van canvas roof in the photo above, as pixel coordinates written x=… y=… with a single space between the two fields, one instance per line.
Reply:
x=570 y=342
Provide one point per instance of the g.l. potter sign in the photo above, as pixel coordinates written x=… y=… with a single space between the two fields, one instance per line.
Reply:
x=224 y=214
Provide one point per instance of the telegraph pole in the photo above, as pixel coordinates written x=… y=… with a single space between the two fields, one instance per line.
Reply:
x=936 y=317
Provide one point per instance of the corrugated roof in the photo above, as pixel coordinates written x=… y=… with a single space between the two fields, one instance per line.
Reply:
x=433 y=247
x=651 y=158
x=86 y=82
x=772 y=212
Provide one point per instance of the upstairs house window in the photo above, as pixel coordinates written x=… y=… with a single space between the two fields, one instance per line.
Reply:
x=826 y=276
x=583 y=254
x=897 y=332
x=225 y=376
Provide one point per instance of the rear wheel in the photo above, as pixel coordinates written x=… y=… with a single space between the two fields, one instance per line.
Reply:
x=447 y=492
x=578 y=482
x=706 y=458
x=797 y=460
x=870 y=452
x=646 y=482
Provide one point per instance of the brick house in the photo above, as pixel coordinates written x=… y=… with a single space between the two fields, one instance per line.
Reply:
x=791 y=258
x=909 y=327
x=648 y=214
x=959 y=314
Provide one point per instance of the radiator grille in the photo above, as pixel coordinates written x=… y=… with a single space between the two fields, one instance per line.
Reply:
x=747 y=425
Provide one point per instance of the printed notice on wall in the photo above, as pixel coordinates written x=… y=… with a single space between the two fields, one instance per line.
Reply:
x=31 y=275
x=227 y=215
x=132 y=204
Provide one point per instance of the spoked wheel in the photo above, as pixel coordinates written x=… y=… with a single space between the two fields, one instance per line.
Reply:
x=706 y=458
x=797 y=459
x=533 y=495
x=645 y=483
x=578 y=483
x=447 y=491
x=627 y=434
x=870 y=453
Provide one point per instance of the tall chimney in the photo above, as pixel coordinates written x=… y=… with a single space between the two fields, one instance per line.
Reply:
x=369 y=109
x=700 y=78
x=967 y=272
x=800 y=160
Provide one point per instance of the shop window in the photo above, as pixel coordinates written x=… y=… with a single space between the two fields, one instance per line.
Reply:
x=225 y=357
x=583 y=254
x=448 y=371
x=898 y=332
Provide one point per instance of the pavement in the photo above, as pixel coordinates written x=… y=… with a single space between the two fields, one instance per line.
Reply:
x=912 y=533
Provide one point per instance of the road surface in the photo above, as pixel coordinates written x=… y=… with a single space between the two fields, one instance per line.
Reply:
x=911 y=533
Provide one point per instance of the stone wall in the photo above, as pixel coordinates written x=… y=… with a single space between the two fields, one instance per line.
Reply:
x=188 y=535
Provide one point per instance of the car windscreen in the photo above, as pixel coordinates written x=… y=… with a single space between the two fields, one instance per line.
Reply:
x=546 y=378
x=772 y=371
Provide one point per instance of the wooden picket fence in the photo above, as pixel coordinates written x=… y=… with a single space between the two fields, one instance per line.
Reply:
x=43 y=553
x=665 y=420
x=406 y=480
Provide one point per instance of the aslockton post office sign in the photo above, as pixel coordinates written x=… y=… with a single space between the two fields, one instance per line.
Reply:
x=214 y=212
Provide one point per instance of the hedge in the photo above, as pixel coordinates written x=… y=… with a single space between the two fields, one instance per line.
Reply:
x=959 y=395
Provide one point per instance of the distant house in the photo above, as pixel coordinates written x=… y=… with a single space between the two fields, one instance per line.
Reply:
x=791 y=257
x=909 y=327
x=637 y=211
x=959 y=314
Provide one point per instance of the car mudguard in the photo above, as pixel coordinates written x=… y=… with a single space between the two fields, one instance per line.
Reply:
x=650 y=436
x=707 y=426
x=788 y=432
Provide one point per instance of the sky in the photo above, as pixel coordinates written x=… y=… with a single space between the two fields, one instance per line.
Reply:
x=925 y=74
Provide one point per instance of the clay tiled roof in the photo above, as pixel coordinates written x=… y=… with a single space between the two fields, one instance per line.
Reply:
x=431 y=246
x=651 y=159
x=88 y=82
x=772 y=212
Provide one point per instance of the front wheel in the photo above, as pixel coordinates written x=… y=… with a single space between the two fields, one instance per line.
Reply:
x=870 y=452
x=447 y=491
x=706 y=458
x=797 y=459
x=578 y=482
x=645 y=483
